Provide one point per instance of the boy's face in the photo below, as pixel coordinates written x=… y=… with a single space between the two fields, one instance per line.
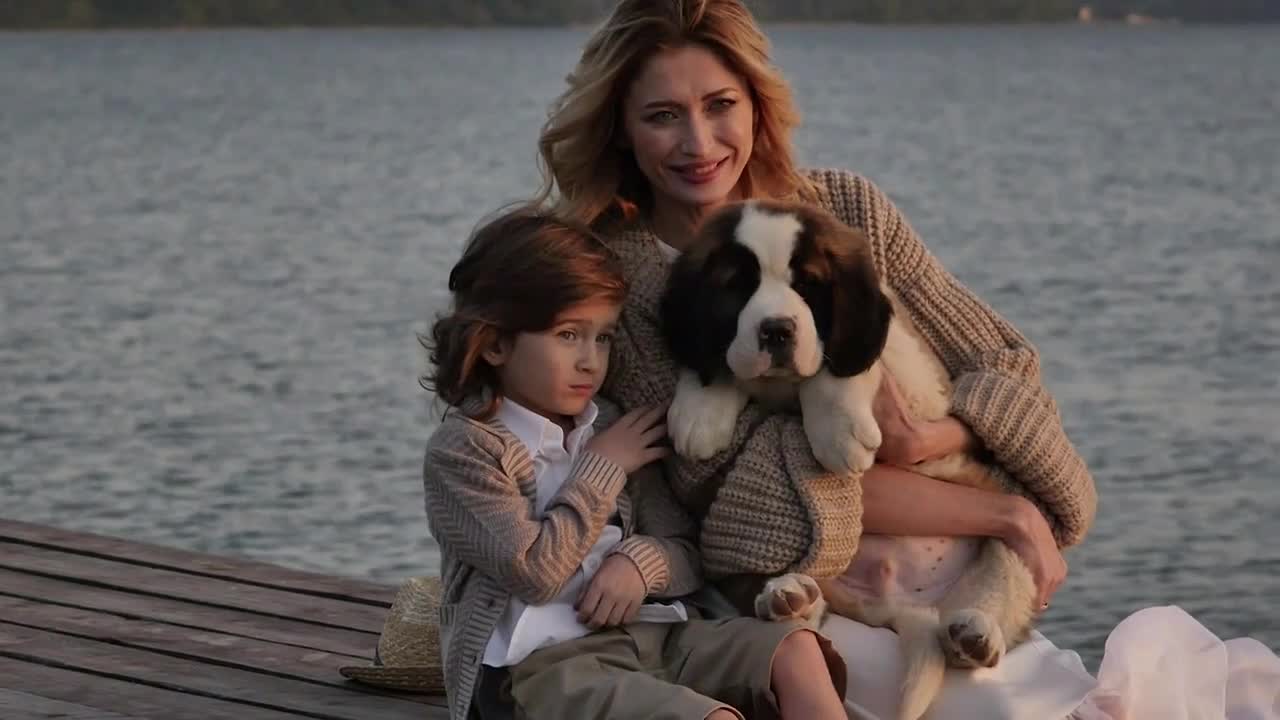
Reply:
x=555 y=373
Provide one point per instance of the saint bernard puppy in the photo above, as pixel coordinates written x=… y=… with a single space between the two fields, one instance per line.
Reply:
x=781 y=303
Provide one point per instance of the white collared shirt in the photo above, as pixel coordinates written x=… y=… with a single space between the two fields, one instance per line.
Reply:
x=525 y=628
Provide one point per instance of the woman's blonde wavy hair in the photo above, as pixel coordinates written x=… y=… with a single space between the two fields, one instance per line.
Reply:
x=588 y=177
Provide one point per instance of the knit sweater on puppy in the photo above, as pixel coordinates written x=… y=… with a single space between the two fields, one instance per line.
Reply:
x=766 y=505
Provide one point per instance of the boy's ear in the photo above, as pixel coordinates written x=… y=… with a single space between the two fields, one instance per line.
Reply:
x=497 y=352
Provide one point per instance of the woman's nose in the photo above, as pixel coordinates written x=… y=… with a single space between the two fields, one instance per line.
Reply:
x=697 y=137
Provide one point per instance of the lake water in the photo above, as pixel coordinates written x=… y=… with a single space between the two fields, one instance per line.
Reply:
x=217 y=247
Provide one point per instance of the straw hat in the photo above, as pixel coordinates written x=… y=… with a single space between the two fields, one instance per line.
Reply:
x=408 y=654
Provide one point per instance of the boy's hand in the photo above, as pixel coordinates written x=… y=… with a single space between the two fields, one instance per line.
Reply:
x=613 y=596
x=631 y=441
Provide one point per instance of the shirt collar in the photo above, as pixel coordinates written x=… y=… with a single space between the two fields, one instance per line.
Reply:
x=536 y=431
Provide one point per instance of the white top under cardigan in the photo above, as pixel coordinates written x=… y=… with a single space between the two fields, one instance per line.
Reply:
x=524 y=628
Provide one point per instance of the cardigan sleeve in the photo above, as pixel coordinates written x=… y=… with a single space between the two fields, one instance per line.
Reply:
x=663 y=543
x=664 y=546
x=476 y=509
x=995 y=370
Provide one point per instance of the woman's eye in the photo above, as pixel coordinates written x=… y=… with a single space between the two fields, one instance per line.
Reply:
x=604 y=338
x=662 y=116
x=723 y=103
x=567 y=335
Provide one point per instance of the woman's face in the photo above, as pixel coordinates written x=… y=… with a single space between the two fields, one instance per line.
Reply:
x=688 y=120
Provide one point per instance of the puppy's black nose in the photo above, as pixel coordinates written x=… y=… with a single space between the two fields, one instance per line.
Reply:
x=777 y=333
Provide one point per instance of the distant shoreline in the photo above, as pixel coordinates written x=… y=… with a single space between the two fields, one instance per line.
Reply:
x=1108 y=23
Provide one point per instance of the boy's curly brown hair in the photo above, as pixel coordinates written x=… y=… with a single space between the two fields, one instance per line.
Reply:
x=517 y=273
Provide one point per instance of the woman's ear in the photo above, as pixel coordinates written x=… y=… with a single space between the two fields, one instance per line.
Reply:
x=860 y=310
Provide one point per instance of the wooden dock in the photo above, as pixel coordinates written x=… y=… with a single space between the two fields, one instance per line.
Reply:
x=99 y=628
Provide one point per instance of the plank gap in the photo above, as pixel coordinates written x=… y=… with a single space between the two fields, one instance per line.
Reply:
x=197 y=573
x=143 y=618
x=35 y=660
x=148 y=593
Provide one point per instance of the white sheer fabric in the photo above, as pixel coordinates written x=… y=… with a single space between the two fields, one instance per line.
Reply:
x=1159 y=664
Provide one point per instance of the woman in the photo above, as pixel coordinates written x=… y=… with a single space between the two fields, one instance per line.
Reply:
x=675 y=109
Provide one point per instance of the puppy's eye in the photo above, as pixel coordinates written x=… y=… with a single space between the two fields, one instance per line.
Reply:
x=806 y=285
x=723 y=275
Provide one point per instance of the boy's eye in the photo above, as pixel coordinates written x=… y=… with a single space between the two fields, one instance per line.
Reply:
x=567 y=334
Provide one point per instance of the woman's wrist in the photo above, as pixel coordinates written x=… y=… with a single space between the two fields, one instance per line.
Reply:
x=942 y=437
x=1015 y=516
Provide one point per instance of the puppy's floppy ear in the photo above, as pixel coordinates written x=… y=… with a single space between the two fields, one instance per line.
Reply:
x=698 y=320
x=685 y=316
x=860 y=312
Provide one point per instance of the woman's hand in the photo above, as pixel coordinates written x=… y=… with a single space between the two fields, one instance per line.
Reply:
x=1029 y=536
x=613 y=596
x=902 y=437
x=906 y=441
x=631 y=441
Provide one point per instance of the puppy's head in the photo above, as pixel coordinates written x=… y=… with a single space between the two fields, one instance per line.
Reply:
x=774 y=290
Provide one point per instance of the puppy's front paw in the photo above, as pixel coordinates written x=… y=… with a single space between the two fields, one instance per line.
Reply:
x=841 y=444
x=791 y=597
x=971 y=639
x=701 y=419
x=838 y=420
x=867 y=432
x=843 y=455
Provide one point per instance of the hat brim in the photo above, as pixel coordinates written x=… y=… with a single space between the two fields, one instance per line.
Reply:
x=427 y=679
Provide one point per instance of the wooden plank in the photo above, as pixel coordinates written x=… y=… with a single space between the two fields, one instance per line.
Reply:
x=205 y=590
x=194 y=616
x=229 y=650
x=130 y=699
x=242 y=570
x=16 y=705
x=216 y=681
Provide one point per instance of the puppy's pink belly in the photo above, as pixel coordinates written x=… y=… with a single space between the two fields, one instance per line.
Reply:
x=908 y=568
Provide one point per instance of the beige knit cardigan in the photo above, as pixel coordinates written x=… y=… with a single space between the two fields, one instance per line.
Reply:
x=777 y=510
x=480 y=491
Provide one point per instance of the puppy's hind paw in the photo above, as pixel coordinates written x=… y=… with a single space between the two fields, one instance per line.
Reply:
x=971 y=639
x=791 y=597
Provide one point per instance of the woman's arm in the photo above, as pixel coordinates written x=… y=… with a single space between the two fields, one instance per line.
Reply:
x=907 y=441
x=900 y=502
x=998 y=393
